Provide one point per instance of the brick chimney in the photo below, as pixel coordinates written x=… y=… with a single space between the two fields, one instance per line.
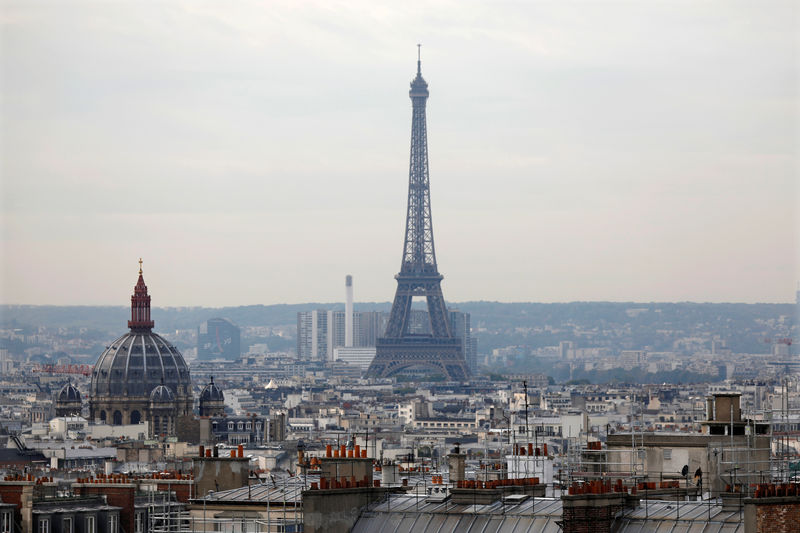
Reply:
x=774 y=509
x=594 y=507
x=214 y=473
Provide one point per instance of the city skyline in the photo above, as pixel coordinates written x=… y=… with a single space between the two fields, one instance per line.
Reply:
x=610 y=153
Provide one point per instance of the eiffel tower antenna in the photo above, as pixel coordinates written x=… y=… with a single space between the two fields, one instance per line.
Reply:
x=400 y=348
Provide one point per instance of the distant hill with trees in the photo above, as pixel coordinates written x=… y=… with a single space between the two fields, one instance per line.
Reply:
x=626 y=325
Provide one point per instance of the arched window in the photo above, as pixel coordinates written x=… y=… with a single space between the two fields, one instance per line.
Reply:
x=103 y=417
x=239 y=426
x=230 y=426
x=117 y=418
x=136 y=417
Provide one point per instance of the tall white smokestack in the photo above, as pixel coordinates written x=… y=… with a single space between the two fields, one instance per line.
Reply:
x=348 y=311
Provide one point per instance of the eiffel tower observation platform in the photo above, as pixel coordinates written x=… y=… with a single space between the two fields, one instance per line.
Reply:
x=440 y=356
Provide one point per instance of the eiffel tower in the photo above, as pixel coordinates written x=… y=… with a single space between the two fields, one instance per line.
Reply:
x=399 y=349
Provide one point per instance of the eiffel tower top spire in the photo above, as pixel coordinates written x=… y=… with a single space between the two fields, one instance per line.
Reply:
x=419 y=255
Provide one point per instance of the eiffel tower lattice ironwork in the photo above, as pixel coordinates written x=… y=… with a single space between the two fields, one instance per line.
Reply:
x=400 y=349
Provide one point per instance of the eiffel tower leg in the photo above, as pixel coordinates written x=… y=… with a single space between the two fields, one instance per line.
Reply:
x=437 y=311
x=398 y=318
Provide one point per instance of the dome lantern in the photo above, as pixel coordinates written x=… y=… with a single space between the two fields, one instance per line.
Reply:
x=140 y=306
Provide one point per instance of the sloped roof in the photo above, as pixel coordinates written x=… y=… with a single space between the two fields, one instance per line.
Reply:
x=410 y=513
x=287 y=490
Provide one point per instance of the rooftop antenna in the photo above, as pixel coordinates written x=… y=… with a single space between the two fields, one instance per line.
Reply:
x=419 y=59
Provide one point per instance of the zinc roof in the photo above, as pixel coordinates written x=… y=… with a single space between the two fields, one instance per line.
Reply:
x=408 y=513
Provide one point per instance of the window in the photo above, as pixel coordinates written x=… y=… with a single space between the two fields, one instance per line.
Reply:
x=6 y=523
x=113 y=522
x=240 y=426
x=90 y=524
x=230 y=426
x=138 y=523
x=44 y=525
x=249 y=426
x=667 y=454
x=67 y=526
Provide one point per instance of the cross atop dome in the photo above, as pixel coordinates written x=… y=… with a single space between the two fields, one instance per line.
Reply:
x=140 y=305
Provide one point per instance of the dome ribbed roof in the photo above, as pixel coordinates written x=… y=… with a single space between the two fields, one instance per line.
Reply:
x=162 y=394
x=69 y=393
x=136 y=363
x=212 y=393
x=139 y=361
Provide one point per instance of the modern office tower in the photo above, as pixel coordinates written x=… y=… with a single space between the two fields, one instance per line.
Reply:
x=305 y=335
x=336 y=321
x=472 y=354
x=318 y=333
x=218 y=338
x=312 y=335
x=564 y=349
x=369 y=326
x=419 y=322
x=461 y=327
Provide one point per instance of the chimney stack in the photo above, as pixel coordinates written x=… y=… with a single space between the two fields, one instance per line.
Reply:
x=348 y=311
x=456 y=464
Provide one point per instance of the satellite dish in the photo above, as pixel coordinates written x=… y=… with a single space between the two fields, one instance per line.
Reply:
x=685 y=470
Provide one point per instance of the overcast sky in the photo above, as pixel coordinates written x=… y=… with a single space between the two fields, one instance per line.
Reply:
x=257 y=152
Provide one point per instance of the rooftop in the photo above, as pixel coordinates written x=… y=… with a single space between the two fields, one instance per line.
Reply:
x=278 y=492
x=413 y=513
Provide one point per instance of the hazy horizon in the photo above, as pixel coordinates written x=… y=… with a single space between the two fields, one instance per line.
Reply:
x=255 y=153
x=388 y=303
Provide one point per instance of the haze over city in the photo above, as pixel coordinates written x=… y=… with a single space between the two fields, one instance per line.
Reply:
x=257 y=153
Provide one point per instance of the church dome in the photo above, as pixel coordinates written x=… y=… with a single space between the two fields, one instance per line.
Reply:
x=162 y=394
x=212 y=393
x=69 y=393
x=135 y=365
x=138 y=362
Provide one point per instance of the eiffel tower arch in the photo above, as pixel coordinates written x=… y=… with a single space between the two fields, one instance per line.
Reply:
x=400 y=349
